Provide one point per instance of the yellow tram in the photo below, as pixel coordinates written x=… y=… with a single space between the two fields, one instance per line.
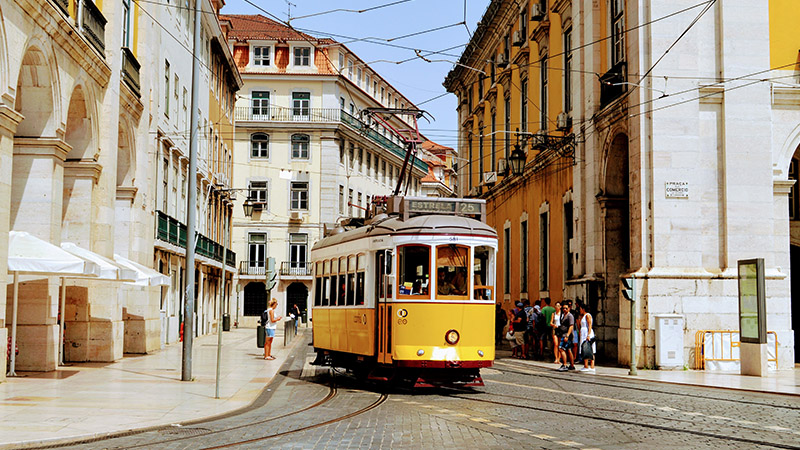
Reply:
x=409 y=294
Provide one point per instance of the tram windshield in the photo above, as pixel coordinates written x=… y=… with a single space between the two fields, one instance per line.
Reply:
x=483 y=268
x=414 y=268
x=452 y=262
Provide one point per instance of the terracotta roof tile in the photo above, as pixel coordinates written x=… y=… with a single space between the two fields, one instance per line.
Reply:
x=253 y=26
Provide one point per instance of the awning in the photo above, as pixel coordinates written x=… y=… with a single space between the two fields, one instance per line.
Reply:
x=145 y=276
x=28 y=254
x=109 y=270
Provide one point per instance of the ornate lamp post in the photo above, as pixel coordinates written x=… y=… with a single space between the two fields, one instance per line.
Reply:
x=517 y=161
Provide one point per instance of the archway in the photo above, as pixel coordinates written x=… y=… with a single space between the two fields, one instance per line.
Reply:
x=255 y=299
x=34 y=96
x=79 y=133
x=126 y=192
x=794 y=249
x=616 y=232
x=296 y=294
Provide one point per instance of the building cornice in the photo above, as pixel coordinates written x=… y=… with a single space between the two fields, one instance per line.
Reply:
x=83 y=169
x=52 y=147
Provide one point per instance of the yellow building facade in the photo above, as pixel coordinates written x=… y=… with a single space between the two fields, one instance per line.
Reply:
x=510 y=82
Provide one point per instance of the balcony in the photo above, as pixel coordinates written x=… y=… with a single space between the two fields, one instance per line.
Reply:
x=612 y=84
x=378 y=138
x=170 y=230
x=282 y=114
x=253 y=268
x=94 y=25
x=130 y=70
x=291 y=269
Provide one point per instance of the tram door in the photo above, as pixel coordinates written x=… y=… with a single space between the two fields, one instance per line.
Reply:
x=383 y=295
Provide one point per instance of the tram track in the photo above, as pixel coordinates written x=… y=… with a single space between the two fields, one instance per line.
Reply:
x=594 y=380
x=675 y=429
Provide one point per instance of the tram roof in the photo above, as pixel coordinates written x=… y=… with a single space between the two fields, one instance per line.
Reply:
x=430 y=224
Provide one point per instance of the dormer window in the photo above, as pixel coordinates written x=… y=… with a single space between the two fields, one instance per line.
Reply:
x=261 y=56
x=302 y=56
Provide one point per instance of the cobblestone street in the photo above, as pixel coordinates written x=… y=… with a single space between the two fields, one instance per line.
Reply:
x=522 y=406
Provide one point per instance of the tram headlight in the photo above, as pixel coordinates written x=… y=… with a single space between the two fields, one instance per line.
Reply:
x=420 y=352
x=480 y=353
x=452 y=337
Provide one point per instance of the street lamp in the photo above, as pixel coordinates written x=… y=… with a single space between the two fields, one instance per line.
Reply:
x=248 y=207
x=517 y=161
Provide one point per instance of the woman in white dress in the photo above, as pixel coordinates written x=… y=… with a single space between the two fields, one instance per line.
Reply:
x=555 y=322
x=587 y=334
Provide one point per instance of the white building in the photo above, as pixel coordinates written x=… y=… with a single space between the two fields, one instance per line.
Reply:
x=305 y=151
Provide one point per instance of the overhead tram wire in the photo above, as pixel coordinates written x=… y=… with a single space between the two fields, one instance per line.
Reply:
x=358 y=11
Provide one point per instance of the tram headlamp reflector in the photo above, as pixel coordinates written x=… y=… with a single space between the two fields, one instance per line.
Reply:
x=480 y=353
x=452 y=337
x=420 y=352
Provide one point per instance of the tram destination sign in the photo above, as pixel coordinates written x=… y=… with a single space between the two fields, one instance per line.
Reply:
x=443 y=207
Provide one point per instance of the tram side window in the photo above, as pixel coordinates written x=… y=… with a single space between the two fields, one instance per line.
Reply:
x=452 y=262
x=414 y=268
x=483 y=269
x=330 y=298
x=318 y=291
x=342 y=289
x=360 y=279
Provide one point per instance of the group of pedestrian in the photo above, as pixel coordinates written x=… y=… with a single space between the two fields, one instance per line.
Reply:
x=533 y=328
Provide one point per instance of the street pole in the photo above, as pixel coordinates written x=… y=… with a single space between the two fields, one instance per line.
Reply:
x=633 y=329
x=221 y=303
x=191 y=203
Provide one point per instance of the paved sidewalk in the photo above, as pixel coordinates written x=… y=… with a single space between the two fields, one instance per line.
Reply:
x=780 y=382
x=139 y=391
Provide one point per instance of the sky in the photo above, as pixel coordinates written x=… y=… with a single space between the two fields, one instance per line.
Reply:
x=376 y=35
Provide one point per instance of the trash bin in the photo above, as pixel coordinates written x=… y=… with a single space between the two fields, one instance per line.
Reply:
x=261 y=336
x=304 y=316
x=226 y=322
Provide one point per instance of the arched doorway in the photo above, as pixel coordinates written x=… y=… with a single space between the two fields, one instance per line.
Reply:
x=296 y=294
x=255 y=299
x=615 y=206
x=794 y=249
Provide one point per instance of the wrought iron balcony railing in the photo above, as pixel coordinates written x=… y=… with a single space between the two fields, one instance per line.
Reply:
x=130 y=70
x=94 y=25
x=295 y=269
x=170 y=230
x=253 y=267
x=612 y=84
x=282 y=114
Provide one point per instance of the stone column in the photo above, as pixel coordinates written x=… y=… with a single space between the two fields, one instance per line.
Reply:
x=8 y=125
x=36 y=201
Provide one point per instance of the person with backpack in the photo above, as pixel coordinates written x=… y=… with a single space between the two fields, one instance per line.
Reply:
x=526 y=348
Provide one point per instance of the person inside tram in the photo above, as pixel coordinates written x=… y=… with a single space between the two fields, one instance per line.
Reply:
x=444 y=284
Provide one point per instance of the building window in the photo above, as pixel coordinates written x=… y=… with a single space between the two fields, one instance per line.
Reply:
x=492 y=73
x=300 y=146
x=341 y=200
x=523 y=118
x=480 y=152
x=126 y=23
x=375 y=89
x=383 y=171
x=261 y=56
x=361 y=160
x=543 y=69
x=480 y=87
x=383 y=93
x=358 y=77
x=568 y=235
x=259 y=145
x=468 y=166
x=507 y=129
x=350 y=69
x=358 y=203
x=298 y=250
x=470 y=93
x=301 y=104
x=507 y=260
x=166 y=88
x=366 y=81
x=341 y=62
x=523 y=271
x=259 y=194
x=544 y=259
x=352 y=154
x=568 y=70
x=341 y=152
x=260 y=100
x=523 y=23
x=494 y=141
x=617 y=31
x=302 y=56
x=257 y=251
x=299 y=196
x=369 y=164
x=350 y=203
